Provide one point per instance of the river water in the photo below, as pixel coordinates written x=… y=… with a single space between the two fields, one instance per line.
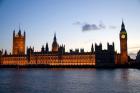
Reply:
x=44 y=80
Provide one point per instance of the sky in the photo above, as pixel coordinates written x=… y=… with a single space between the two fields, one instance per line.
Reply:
x=77 y=23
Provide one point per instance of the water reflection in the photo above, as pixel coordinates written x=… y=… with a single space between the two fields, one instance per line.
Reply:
x=69 y=81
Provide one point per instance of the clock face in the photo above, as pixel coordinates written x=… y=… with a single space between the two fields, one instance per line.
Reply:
x=123 y=36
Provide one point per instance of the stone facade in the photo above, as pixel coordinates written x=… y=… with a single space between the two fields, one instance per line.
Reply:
x=18 y=43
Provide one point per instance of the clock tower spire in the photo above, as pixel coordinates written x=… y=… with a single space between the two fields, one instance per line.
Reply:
x=123 y=45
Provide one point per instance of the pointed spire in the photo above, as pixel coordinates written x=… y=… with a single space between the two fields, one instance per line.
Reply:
x=123 y=26
x=47 y=48
x=33 y=48
x=0 y=52
x=54 y=37
x=113 y=43
x=92 y=48
x=42 y=49
x=5 y=52
x=14 y=33
x=46 y=44
x=19 y=33
x=19 y=27
x=24 y=33
x=108 y=43
x=92 y=44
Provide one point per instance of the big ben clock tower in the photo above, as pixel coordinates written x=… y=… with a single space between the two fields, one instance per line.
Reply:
x=123 y=45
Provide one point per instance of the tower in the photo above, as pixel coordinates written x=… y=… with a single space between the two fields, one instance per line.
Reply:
x=18 y=43
x=55 y=45
x=123 y=45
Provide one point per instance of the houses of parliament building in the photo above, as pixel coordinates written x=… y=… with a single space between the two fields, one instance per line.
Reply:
x=58 y=57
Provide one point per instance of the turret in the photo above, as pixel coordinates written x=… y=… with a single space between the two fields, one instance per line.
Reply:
x=43 y=49
x=110 y=47
x=92 y=48
x=19 y=33
x=47 y=48
x=14 y=33
x=24 y=34
x=98 y=47
x=29 y=53
x=61 y=49
x=5 y=53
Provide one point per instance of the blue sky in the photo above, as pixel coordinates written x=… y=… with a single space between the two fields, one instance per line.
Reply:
x=42 y=18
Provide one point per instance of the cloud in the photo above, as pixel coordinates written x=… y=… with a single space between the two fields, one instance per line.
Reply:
x=93 y=27
x=101 y=25
x=89 y=27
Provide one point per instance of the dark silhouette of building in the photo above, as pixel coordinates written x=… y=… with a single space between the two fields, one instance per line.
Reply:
x=61 y=49
x=123 y=45
x=92 y=49
x=138 y=57
x=47 y=48
x=104 y=57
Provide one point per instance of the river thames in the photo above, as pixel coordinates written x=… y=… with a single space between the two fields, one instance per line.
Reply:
x=42 y=80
